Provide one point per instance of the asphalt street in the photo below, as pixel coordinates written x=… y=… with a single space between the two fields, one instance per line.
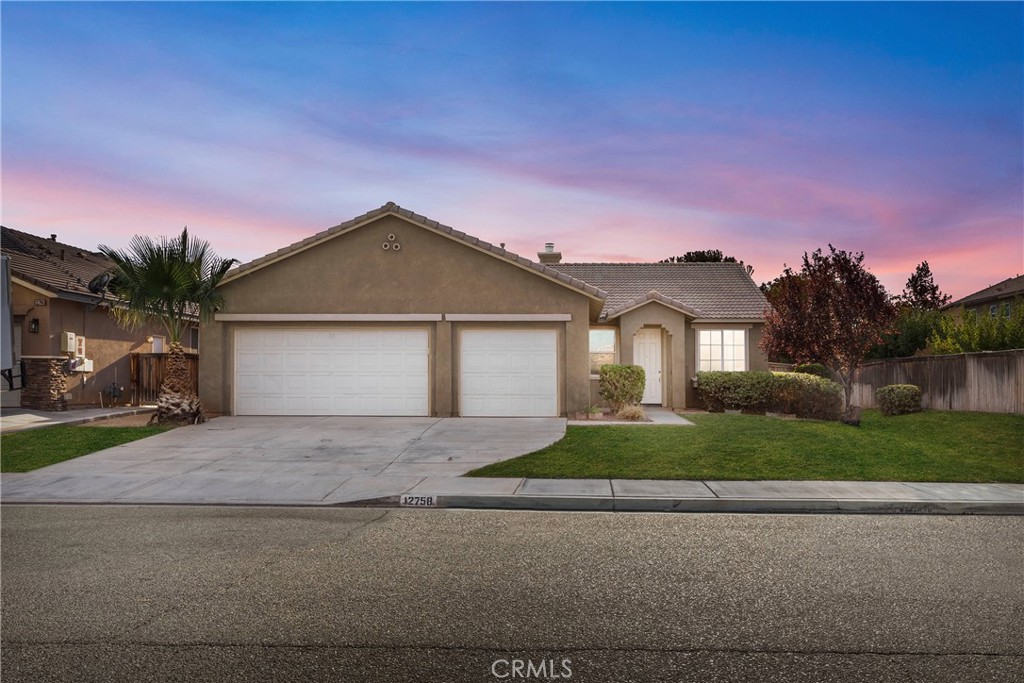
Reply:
x=97 y=593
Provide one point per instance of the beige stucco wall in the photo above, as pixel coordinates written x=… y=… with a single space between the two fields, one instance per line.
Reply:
x=107 y=343
x=679 y=350
x=431 y=273
x=757 y=360
x=673 y=325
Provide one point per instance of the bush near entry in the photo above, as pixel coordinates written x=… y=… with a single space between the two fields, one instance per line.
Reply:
x=756 y=392
x=750 y=392
x=621 y=385
x=898 y=399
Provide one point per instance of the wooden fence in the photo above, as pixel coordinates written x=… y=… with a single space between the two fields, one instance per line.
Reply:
x=988 y=382
x=147 y=374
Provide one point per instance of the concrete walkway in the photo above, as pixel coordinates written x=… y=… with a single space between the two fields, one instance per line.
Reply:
x=18 y=419
x=284 y=460
x=401 y=461
x=657 y=415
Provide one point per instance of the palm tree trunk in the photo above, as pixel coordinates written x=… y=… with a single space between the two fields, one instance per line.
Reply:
x=177 y=403
x=177 y=377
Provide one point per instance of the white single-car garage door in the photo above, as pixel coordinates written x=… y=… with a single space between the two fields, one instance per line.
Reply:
x=328 y=371
x=509 y=373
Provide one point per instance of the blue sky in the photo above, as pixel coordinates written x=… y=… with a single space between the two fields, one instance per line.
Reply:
x=619 y=131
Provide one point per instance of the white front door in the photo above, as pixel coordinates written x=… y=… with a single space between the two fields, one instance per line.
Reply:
x=647 y=354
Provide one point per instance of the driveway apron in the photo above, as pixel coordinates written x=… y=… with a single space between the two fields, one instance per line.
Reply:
x=284 y=460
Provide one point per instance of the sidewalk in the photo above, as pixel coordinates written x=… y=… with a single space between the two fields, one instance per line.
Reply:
x=17 y=419
x=629 y=495
x=419 y=461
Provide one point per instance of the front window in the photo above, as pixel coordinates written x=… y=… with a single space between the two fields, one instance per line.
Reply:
x=602 y=349
x=722 y=350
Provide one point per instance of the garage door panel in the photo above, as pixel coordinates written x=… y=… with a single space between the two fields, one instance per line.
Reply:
x=331 y=372
x=509 y=373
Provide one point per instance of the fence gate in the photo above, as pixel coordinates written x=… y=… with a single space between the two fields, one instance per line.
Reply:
x=147 y=374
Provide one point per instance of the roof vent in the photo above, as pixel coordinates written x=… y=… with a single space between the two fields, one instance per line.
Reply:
x=53 y=237
x=549 y=255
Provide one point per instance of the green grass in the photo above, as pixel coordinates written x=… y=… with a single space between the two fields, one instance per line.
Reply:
x=928 y=446
x=34 y=448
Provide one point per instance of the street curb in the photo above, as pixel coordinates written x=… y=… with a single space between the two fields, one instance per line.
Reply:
x=816 y=506
x=732 y=505
x=607 y=504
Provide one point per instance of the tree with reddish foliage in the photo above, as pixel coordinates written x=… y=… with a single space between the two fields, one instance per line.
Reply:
x=833 y=311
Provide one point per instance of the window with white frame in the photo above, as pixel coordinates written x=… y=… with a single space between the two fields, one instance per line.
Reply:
x=721 y=350
x=602 y=348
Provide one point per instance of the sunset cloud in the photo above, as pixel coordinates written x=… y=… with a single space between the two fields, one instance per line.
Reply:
x=617 y=131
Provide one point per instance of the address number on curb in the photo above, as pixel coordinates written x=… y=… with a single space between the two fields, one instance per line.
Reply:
x=417 y=501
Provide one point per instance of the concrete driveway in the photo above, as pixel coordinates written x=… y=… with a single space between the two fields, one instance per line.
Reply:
x=282 y=460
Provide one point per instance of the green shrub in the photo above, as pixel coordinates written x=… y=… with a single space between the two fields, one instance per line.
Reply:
x=816 y=369
x=898 y=399
x=963 y=332
x=621 y=385
x=755 y=392
x=751 y=392
x=808 y=396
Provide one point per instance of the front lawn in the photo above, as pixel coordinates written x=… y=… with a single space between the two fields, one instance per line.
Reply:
x=34 y=448
x=928 y=446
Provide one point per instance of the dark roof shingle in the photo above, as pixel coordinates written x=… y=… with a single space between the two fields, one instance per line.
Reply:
x=1006 y=289
x=49 y=264
x=711 y=290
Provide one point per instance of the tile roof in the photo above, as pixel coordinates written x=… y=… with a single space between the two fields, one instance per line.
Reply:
x=709 y=290
x=394 y=209
x=705 y=290
x=39 y=260
x=1006 y=289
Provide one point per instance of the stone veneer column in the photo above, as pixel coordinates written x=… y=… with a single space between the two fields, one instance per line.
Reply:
x=45 y=383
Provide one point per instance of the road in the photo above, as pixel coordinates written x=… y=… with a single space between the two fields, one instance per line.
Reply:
x=95 y=593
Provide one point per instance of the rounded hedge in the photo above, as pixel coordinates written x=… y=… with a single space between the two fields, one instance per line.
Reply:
x=758 y=392
x=898 y=399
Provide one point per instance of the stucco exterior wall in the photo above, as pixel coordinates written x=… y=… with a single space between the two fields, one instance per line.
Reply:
x=107 y=343
x=679 y=350
x=673 y=328
x=430 y=273
x=757 y=360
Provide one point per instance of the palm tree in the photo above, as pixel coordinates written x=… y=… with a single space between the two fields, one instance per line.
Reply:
x=173 y=281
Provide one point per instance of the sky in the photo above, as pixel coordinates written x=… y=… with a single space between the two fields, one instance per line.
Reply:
x=618 y=131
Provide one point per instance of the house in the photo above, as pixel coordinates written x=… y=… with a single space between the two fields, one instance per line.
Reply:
x=998 y=299
x=58 y=320
x=392 y=313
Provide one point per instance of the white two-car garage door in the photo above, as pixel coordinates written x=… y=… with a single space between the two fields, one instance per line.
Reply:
x=509 y=373
x=331 y=372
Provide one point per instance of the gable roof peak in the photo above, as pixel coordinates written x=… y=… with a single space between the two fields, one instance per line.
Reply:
x=596 y=294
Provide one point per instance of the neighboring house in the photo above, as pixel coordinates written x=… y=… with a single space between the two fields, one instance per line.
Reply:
x=50 y=297
x=999 y=299
x=392 y=313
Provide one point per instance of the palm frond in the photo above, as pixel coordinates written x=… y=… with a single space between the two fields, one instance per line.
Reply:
x=167 y=280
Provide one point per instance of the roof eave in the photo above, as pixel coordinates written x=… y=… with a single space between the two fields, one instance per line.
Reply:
x=597 y=296
x=652 y=297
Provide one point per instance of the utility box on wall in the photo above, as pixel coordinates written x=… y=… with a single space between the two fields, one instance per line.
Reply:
x=68 y=342
x=81 y=365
